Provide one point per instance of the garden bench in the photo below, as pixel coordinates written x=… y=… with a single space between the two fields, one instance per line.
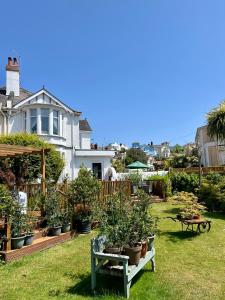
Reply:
x=99 y=264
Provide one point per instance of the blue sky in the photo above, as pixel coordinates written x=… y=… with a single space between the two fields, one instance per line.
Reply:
x=139 y=70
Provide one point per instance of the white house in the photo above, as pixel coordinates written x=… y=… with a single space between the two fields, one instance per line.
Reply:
x=44 y=114
x=212 y=152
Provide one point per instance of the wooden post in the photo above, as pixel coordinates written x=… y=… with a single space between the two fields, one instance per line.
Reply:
x=43 y=165
x=7 y=246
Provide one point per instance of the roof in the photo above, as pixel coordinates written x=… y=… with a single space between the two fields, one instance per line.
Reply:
x=23 y=95
x=84 y=125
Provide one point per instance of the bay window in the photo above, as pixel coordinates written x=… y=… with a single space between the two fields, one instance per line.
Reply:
x=45 y=120
x=55 y=122
x=33 y=121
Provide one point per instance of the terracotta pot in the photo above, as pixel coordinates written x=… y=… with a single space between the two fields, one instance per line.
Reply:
x=144 y=248
x=196 y=217
x=134 y=253
x=113 y=250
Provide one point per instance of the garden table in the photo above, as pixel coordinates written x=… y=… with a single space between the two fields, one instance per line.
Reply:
x=99 y=264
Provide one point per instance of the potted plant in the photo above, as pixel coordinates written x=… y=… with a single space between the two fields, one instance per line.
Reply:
x=136 y=179
x=18 y=227
x=66 y=216
x=29 y=229
x=83 y=194
x=53 y=213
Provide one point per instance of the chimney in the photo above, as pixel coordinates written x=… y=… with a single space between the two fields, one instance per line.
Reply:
x=12 y=77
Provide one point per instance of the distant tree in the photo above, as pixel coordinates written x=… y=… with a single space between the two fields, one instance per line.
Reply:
x=118 y=164
x=178 y=149
x=216 y=122
x=134 y=154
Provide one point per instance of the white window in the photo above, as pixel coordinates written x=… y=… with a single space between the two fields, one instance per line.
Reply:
x=55 y=122
x=45 y=120
x=33 y=121
x=25 y=120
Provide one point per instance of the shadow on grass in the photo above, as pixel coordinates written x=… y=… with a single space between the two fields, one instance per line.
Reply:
x=176 y=236
x=215 y=215
x=174 y=210
x=106 y=285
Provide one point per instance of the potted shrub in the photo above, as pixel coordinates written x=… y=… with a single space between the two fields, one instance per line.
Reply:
x=83 y=194
x=53 y=212
x=18 y=227
x=66 y=216
x=140 y=230
x=136 y=179
x=29 y=230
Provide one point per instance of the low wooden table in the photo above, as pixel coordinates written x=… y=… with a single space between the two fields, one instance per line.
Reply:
x=202 y=225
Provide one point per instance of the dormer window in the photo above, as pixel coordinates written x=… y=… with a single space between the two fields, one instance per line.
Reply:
x=33 y=121
x=45 y=120
x=55 y=122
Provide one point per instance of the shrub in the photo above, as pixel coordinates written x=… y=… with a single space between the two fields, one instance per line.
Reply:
x=184 y=182
x=84 y=191
x=29 y=166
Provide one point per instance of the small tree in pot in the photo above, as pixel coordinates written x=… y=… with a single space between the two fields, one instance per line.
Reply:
x=18 y=224
x=29 y=229
x=83 y=194
x=53 y=212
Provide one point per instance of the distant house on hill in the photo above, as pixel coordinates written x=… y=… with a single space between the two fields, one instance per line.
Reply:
x=50 y=118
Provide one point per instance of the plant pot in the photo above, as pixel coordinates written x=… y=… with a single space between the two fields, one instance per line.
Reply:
x=84 y=226
x=134 y=254
x=113 y=250
x=196 y=217
x=134 y=188
x=17 y=242
x=66 y=228
x=55 y=231
x=144 y=248
x=29 y=239
x=151 y=242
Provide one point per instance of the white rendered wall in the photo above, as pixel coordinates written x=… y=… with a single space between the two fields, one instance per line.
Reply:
x=13 y=82
x=88 y=161
x=85 y=140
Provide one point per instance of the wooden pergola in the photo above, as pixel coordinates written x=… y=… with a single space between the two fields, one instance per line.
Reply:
x=10 y=151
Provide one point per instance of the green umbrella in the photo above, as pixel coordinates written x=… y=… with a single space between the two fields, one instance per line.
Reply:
x=137 y=165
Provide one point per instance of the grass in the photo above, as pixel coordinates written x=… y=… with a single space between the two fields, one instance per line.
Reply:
x=189 y=266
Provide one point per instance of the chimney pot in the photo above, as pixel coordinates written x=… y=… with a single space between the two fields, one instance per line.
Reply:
x=15 y=62
x=9 y=61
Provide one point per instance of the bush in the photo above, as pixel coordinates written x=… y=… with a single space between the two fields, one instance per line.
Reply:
x=213 y=195
x=29 y=166
x=184 y=182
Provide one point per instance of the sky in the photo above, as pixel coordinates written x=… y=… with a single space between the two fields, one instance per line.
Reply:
x=139 y=70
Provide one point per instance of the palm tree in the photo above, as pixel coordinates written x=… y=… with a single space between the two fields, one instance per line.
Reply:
x=216 y=122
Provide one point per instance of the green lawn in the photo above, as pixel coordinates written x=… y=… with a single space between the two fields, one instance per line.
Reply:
x=188 y=267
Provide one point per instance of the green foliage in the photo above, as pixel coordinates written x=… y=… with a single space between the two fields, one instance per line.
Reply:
x=29 y=166
x=18 y=221
x=216 y=122
x=84 y=191
x=177 y=149
x=6 y=202
x=182 y=181
x=134 y=154
x=190 y=208
x=125 y=223
x=135 y=178
x=181 y=160
x=118 y=164
x=212 y=192
x=52 y=208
